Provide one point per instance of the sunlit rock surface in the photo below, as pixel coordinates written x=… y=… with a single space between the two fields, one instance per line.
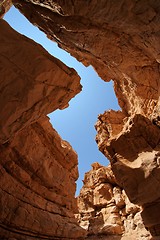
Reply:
x=37 y=181
x=4 y=7
x=33 y=83
x=121 y=40
x=125 y=46
x=38 y=169
x=105 y=210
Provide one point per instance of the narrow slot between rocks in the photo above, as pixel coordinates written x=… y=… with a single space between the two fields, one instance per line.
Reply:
x=75 y=123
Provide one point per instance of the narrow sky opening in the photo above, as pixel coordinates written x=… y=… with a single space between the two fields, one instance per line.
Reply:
x=76 y=123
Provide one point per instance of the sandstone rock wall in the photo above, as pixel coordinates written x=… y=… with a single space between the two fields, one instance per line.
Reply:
x=125 y=46
x=4 y=7
x=105 y=210
x=33 y=83
x=38 y=169
x=121 y=40
x=37 y=185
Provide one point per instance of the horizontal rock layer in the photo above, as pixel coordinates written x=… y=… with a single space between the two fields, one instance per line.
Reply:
x=38 y=169
x=37 y=183
x=121 y=41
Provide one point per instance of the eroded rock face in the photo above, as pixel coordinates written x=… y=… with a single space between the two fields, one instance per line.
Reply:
x=38 y=169
x=134 y=155
x=37 y=182
x=104 y=208
x=4 y=7
x=33 y=83
x=125 y=46
x=121 y=41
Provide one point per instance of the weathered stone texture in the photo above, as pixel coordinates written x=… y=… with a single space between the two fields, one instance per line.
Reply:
x=105 y=210
x=38 y=169
x=4 y=7
x=134 y=155
x=37 y=182
x=33 y=83
x=121 y=40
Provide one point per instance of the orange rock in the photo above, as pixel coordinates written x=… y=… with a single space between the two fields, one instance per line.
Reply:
x=106 y=210
x=120 y=39
x=37 y=183
x=4 y=7
x=32 y=82
x=38 y=169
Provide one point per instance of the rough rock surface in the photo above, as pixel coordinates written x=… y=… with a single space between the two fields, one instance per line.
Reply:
x=125 y=46
x=121 y=40
x=33 y=83
x=38 y=169
x=134 y=154
x=105 y=210
x=4 y=7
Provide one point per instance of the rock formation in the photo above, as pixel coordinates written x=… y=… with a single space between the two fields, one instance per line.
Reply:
x=105 y=210
x=38 y=169
x=33 y=83
x=121 y=40
x=125 y=46
x=37 y=182
x=134 y=155
x=4 y=7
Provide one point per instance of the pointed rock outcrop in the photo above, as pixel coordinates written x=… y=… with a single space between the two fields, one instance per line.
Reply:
x=38 y=169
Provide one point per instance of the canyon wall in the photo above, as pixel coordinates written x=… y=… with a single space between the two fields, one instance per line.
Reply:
x=105 y=210
x=121 y=40
x=38 y=169
x=37 y=183
x=33 y=83
x=4 y=7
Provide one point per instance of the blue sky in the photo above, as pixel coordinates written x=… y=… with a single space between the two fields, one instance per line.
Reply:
x=76 y=123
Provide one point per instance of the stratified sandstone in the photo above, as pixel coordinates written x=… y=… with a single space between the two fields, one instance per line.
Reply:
x=121 y=40
x=105 y=210
x=134 y=155
x=33 y=83
x=38 y=171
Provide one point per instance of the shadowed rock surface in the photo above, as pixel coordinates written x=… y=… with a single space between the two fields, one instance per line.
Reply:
x=4 y=7
x=125 y=48
x=37 y=182
x=38 y=169
x=105 y=210
x=121 y=40
x=33 y=83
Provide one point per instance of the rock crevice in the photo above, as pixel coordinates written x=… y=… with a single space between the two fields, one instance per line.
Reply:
x=121 y=41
